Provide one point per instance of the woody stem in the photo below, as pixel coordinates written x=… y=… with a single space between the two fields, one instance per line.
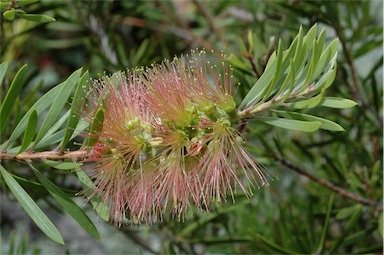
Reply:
x=44 y=155
x=328 y=185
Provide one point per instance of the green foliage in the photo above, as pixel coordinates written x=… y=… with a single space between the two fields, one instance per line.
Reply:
x=76 y=212
x=37 y=18
x=43 y=103
x=77 y=103
x=299 y=125
x=13 y=9
x=57 y=105
x=31 y=208
x=3 y=70
x=30 y=130
x=89 y=187
x=335 y=102
x=291 y=79
x=46 y=135
x=96 y=126
x=11 y=96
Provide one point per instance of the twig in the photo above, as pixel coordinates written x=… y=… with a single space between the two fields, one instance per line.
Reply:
x=329 y=185
x=253 y=64
x=349 y=60
x=44 y=155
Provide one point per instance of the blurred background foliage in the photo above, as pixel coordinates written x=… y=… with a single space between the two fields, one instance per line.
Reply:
x=292 y=215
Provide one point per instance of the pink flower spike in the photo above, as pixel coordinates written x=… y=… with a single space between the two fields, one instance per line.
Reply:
x=168 y=141
x=123 y=142
x=226 y=163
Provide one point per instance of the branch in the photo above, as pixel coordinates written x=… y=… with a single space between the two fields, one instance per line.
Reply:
x=349 y=60
x=329 y=185
x=253 y=64
x=44 y=155
x=248 y=112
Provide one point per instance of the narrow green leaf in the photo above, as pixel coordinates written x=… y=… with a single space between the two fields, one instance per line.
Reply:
x=354 y=218
x=58 y=105
x=52 y=130
x=10 y=14
x=327 y=79
x=298 y=50
x=71 y=207
x=306 y=47
x=303 y=64
x=31 y=207
x=257 y=89
x=12 y=245
x=312 y=64
x=290 y=80
x=375 y=176
x=58 y=136
x=367 y=47
x=321 y=41
x=89 y=188
x=171 y=249
x=29 y=133
x=310 y=36
x=36 y=17
x=43 y=103
x=96 y=127
x=30 y=184
x=326 y=225
x=329 y=53
x=77 y=104
x=24 y=245
x=62 y=165
x=325 y=124
x=50 y=140
x=23 y=3
x=345 y=212
x=260 y=49
x=276 y=75
x=3 y=70
x=337 y=102
x=121 y=51
x=139 y=53
x=236 y=62
x=289 y=69
x=11 y=97
x=250 y=40
x=36 y=186
x=276 y=247
x=297 y=125
x=356 y=237
x=309 y=103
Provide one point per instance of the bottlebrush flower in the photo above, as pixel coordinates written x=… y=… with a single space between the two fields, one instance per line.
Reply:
x=169 y=140
x=122 y=143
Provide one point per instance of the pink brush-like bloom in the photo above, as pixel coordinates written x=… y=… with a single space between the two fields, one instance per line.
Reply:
x=122 y=145
x=169 y=141
x=226 y=162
